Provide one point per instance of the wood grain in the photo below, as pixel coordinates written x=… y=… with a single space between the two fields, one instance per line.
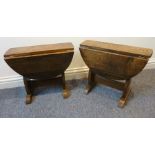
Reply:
x=117 y=48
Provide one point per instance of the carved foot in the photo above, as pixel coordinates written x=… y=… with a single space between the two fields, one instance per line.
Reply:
x=28 y=99
x=124 y=98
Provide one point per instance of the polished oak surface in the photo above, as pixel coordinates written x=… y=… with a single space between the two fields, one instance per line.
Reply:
x=117 y=48
x=39 y=50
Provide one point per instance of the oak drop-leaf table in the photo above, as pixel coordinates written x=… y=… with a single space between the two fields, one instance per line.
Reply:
x=42 y=62
x=111 y=63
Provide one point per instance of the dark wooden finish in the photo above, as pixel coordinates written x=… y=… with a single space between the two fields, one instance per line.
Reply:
x=42 y=62
x=28 y=88
x=113 y=62
x=91 y=82
x=65 y=91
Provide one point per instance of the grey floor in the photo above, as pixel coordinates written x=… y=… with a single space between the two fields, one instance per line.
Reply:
x=100 y=103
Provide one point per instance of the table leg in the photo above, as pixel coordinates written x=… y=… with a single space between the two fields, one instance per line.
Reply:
x=126 y=93
x=66 y=93
x=91 y=82
x=28 y=88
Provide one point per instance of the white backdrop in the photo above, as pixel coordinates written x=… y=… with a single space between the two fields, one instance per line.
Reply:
x=9 y=42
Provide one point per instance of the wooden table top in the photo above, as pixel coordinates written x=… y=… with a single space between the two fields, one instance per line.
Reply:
x=117 y=48
x=39 y=49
